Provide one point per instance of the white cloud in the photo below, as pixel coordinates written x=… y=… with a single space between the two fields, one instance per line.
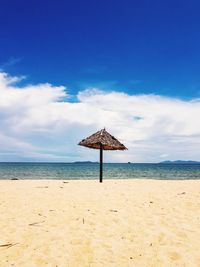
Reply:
x=164 y=155
x=38 y=122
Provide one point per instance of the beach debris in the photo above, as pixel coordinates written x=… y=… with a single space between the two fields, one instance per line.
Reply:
x=151 y=202
x=35 y=223
x=183 y=193
x=61 y=186
x=65 y=182
x=6 y=245
x=83 y=221
x=51 y=210
x=9 y=245
x=114 y=210
x=42 y=187
x=14 y=179
x=131 y=258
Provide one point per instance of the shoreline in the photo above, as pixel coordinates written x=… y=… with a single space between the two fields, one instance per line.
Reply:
x=127 y=222
x=104 y=179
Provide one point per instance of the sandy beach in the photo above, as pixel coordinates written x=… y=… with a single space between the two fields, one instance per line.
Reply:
x=119 y=223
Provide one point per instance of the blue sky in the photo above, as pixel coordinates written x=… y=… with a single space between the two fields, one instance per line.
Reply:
x=70 y=68
x=131 y=46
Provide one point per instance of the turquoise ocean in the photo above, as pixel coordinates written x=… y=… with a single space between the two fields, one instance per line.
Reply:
x=90 y=171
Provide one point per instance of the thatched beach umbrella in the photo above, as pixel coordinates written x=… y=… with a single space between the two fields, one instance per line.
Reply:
x=104 y=141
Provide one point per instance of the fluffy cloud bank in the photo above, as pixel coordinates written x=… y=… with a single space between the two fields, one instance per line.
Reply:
x=38 y=122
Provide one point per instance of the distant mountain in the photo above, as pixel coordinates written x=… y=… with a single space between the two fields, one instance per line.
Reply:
x=180 y=162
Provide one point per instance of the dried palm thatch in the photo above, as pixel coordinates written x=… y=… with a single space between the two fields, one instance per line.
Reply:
x=102 y=139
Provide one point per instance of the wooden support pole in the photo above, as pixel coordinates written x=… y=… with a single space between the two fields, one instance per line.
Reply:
x=101 y=165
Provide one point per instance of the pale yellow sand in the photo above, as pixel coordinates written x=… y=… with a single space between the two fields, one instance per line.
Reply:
x=84 y=223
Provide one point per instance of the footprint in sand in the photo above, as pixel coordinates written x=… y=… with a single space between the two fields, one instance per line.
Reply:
x=161 y=237
x=174 y=256
x=116 y=220
x=182 y=234
x=76 y=242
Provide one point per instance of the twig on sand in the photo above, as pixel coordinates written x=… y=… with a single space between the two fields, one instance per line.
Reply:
x=183 y=193
x=114 y=210
x=83 y=221
x=41 y=186
x=9 y=245
x=35 y=223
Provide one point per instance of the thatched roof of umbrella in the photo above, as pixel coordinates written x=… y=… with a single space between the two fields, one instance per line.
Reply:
x=102 y=139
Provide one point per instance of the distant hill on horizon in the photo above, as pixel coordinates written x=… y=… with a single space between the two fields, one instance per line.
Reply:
x=180 y=162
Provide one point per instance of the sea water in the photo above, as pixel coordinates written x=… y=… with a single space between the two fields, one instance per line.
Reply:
x=90 y=171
